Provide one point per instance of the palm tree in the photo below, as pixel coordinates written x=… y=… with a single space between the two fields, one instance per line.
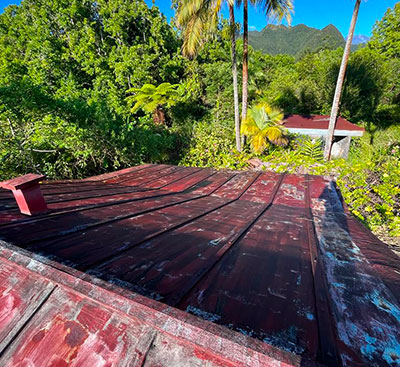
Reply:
x=199 y=19
x=278 y=9
x=263 y=126
x=339 y=84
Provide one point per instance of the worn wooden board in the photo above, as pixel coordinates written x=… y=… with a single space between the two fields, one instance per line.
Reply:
x=70 y=330
x=21 y=294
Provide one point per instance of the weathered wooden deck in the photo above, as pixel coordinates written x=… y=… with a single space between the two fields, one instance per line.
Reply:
x=275 y=258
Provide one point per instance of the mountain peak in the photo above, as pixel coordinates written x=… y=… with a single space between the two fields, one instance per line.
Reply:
x=280 y=39
x=359 y=39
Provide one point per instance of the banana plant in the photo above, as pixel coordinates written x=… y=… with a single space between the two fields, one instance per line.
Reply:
x=263 y=127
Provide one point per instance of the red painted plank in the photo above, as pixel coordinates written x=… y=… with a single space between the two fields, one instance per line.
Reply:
x=21 y=294
x=136 y=174
x=384 y=262
x=62 y=224
x=366 y=313
x=324 y=196
x=152 y=177
x=261 y=190
x=22 y=181
x=187 y=182
x=213 y=183
x=71 y=330
x=13 y=216
x=168 y=266
x=172 y=177
x=116 y=174
x=237 y=185
x=80 y=203
x=292 y=192
x=186 y=329
x=98 y=243
x=262 y=286
x=167 y=351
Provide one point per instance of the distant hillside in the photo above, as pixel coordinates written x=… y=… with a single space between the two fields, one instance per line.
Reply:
x=295 y=40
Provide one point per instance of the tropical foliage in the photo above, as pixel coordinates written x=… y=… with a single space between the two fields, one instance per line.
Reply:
x=263 y=126
x=153 y=99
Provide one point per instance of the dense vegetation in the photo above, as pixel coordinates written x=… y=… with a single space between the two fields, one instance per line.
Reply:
x=65 y=110
x=295 y=41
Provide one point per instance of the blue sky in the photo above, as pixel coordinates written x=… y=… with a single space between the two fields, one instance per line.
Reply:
x=313 y=13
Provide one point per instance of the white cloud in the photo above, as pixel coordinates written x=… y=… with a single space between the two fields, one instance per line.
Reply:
x=253 y=28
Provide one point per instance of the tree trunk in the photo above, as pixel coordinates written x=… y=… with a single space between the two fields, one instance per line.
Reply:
x=235 y=77
x=245 y=59
x=159 y=116
x=339 y=84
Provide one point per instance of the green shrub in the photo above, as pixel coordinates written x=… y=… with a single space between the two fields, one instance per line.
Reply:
x=213 y=145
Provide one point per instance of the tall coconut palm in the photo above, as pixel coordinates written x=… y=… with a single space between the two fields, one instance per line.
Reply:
x=279 y=9
x=199 y=18
x=339 y=84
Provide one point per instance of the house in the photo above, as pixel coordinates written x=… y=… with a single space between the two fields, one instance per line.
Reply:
x=316 y=126
x=159 y=265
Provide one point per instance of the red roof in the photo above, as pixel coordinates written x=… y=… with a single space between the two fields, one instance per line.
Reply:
x=318 y=122
x=175 y=266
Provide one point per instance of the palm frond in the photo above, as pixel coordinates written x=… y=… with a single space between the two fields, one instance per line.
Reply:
x=276 y=135
x=262 y=125
x=278 y=9
x=198 y=19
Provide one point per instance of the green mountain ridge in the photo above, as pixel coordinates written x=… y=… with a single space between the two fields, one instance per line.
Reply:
x=297 y=40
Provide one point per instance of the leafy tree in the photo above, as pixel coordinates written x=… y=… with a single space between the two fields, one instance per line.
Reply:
x=153 y=99
x=64 y=70
x=385 y=35
x=262 y=126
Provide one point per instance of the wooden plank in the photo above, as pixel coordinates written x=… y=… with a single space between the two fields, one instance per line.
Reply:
x=131 y=195
x=152 y=177
x=21 y=294
x=61 y=225
x=262 y=285
x=292 y=192
x=168 y=266
x=236 y=187
x=167 y=351
x=186 y=329
x=169 y=179
x=261 y=190
x=327 y=334
x=366 y=314
x=13 y=216
x=201 y=184
x=71 y=330
x=72 y=196
x=212 y=183
x=116 y=174
x=384 y=262
x=93 y=245
x=48 y=227
x=137 y=174
x=187 y=182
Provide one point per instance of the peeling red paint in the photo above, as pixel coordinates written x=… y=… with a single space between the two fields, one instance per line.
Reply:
x=260 y=257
